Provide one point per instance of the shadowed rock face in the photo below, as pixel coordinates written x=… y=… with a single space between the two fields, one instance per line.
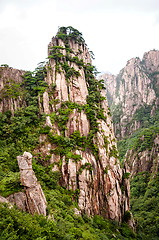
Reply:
x=33 y=197
x=19 y=199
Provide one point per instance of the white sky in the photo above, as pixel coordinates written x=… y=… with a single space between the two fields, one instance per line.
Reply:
x=115 y=30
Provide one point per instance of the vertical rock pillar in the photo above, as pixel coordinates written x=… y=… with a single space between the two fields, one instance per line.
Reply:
x=35 y=198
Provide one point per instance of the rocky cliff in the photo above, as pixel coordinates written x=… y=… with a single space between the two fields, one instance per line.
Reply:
x=77 y=138
x=133 y=92
x=133 y=98
x=144 y=161
x=88 y=158
x=10 y=96
x=32 y=199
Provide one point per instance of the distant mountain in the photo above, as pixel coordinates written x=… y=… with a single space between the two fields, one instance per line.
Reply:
x=133 y=92
x=133 y=97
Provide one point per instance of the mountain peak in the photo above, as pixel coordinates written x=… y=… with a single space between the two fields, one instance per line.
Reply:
x=77 y=138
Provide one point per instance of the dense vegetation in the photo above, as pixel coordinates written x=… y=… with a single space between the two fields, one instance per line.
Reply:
x=70 y=33
x=143 y=138
x=65 y=225
x=20 y=132
x=145 y=204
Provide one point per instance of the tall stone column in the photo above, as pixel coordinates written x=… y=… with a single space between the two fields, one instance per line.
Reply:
x=35 y=198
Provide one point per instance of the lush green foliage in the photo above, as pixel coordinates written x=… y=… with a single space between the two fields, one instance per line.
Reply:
x=66 y=226
x=144 y=186
x=114 y=152
x=145 y=204
x=94 y=99
x=140 y=140
x=70 y=33
x=117 y=113
x=20 y=132
x=34 y=84
x=11 y=90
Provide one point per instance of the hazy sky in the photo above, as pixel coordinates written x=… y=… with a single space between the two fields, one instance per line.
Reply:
x=115 y=30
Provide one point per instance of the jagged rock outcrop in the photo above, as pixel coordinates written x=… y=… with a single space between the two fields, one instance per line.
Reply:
x=134 y=88
x=83 y=149
x=151 y=61
x=144 y=161
x=33 y=199
x=10 y=97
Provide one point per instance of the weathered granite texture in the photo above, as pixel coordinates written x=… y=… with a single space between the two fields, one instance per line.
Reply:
x=145 y=161
x=10 y=98
x=98 y=179
x=32 y=199
x=136 y=86
x=33 y=196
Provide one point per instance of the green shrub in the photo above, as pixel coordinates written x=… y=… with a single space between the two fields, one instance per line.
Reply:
x=10 y=183
x=144 y=204
x=45 y=130
x=113 y=152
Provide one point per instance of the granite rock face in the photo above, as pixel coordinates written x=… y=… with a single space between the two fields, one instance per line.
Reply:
x=4 y=200
x=97 y=177
x=144 y=161
x=151 y=61
x=33 y=199
x=19 y=199
x=134 y=100
x=10 y=80
x=135 y=87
